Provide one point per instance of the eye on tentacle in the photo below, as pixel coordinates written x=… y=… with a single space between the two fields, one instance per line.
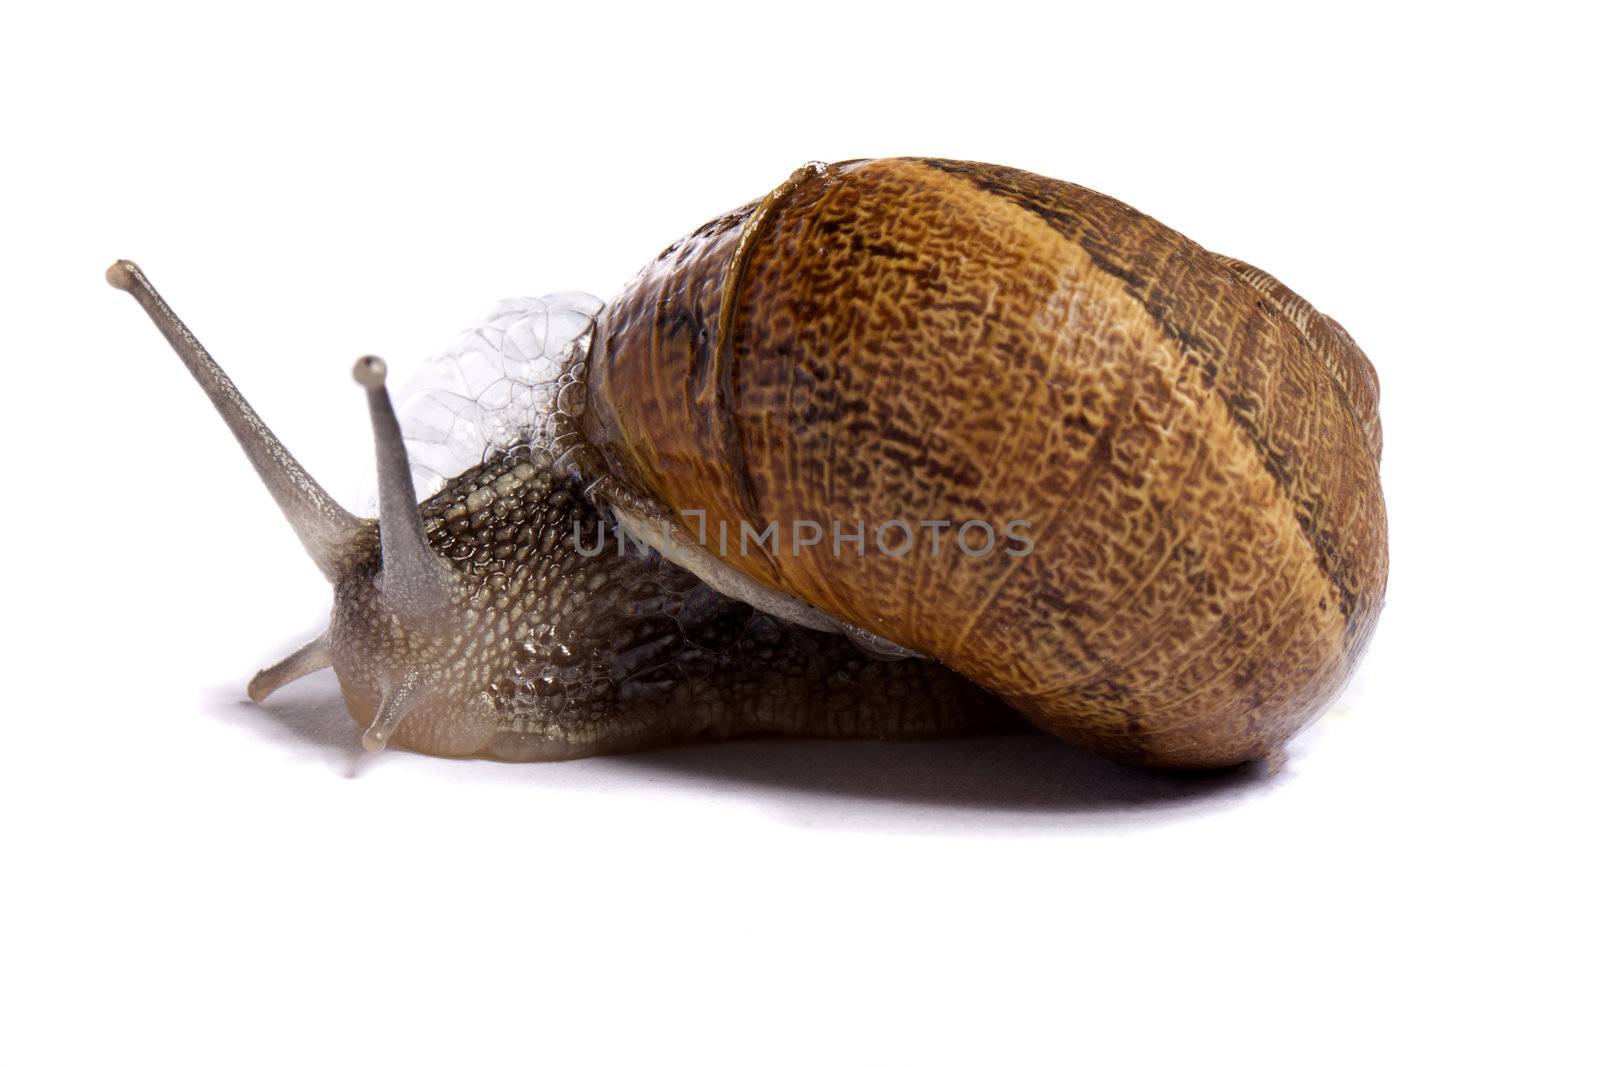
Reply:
x=417 y=585
x=324 y=528
x=414 y=583
x=329 y=533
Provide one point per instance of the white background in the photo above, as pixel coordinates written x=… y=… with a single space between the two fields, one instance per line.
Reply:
x=189 y=878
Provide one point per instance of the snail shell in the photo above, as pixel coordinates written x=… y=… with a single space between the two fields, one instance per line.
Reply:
x=1194 y=446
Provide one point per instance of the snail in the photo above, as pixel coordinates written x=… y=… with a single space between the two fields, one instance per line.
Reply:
x=905 y=447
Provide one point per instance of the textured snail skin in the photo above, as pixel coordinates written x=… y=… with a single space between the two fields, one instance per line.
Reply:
x=547 y=653
x=1195 y=446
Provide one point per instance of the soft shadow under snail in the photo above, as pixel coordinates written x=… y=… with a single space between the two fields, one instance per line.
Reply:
x=1177 y=454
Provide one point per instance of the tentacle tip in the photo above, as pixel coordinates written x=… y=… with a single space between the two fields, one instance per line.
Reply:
x=120 y=274
x=374 y=739
x=370 y=372
x=258 y=689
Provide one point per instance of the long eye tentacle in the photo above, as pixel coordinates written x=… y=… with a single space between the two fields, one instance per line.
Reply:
x=418 y=585
x=324 y=528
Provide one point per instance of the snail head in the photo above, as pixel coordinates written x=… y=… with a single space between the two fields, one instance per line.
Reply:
x=419 y=627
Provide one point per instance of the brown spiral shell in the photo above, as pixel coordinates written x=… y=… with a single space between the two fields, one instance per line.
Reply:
x=1195 y=446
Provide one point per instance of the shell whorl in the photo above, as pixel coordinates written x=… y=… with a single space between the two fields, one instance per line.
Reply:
x=1195 y=446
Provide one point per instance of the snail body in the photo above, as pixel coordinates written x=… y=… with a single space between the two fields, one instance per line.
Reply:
x=1170 y=461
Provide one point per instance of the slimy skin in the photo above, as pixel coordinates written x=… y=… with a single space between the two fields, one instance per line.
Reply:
x=548 y=653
